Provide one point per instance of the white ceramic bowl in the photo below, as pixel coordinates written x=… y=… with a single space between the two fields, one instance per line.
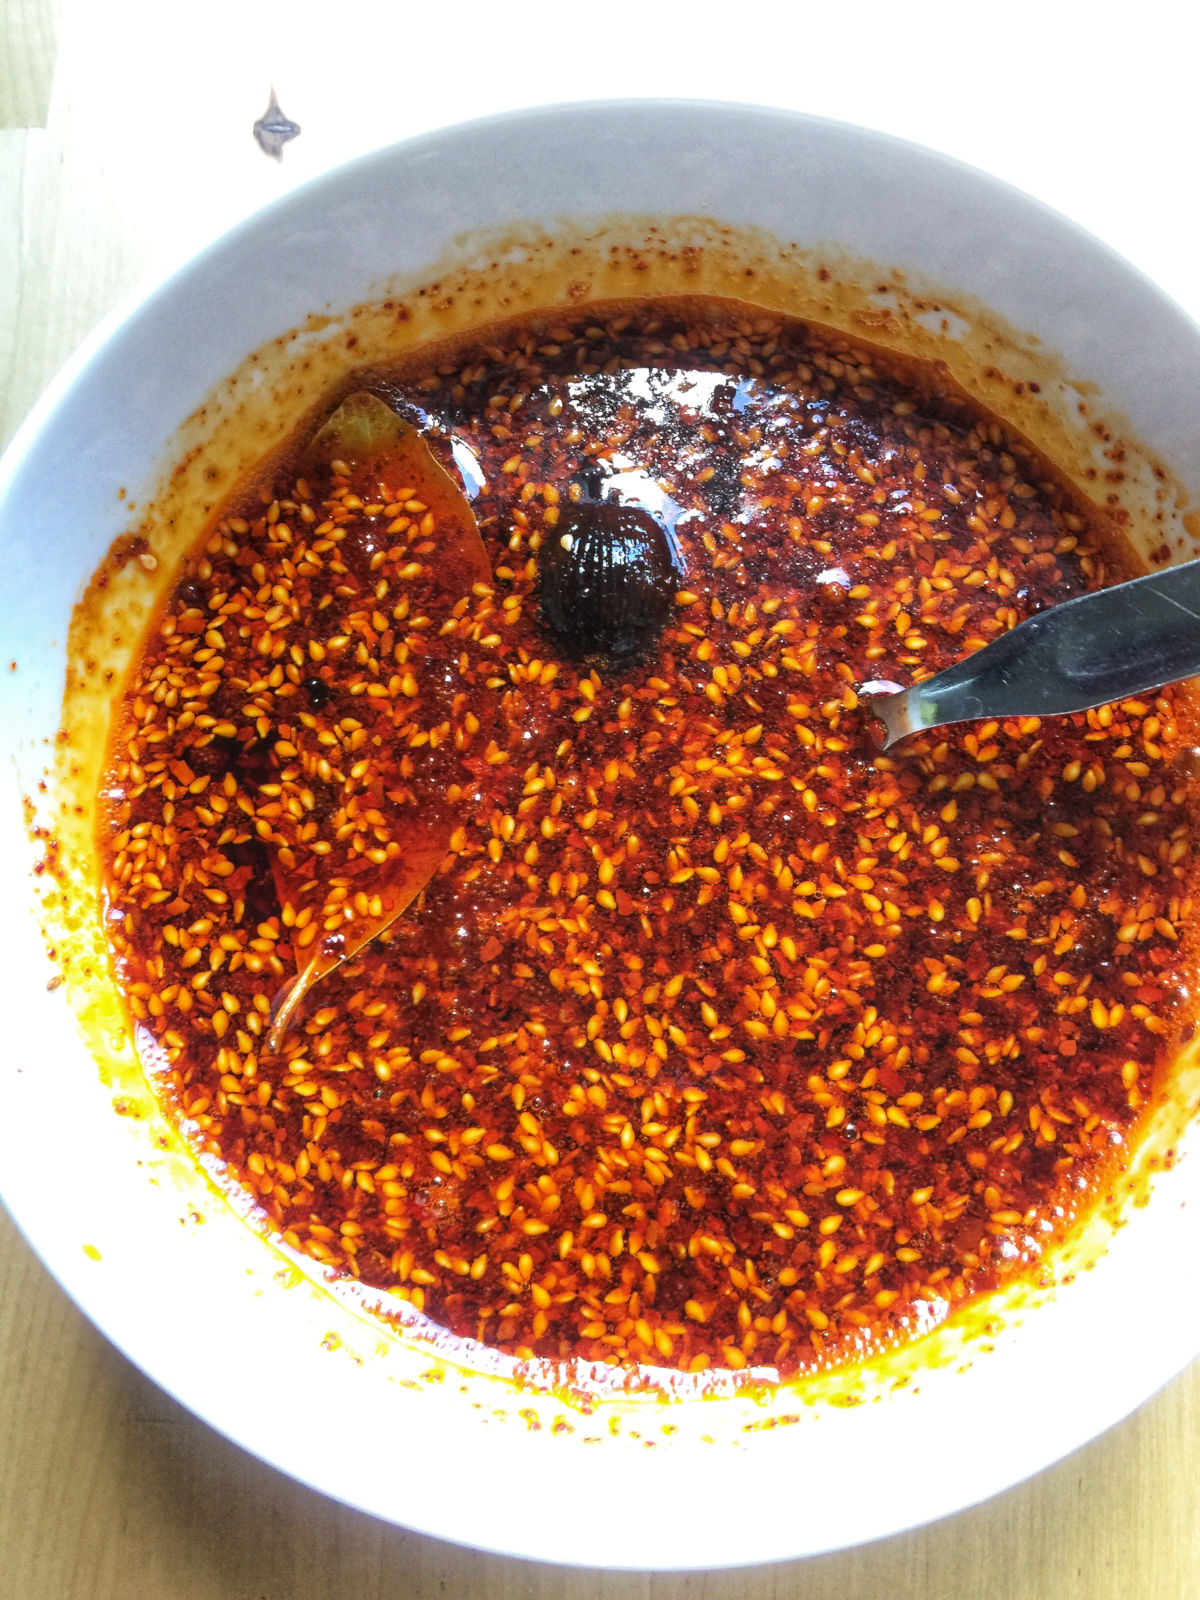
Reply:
x=119 y=1213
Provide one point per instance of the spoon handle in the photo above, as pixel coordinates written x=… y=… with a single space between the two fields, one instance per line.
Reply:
x=1099 y=647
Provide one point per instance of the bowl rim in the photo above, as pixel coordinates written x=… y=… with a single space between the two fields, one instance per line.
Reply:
x=968 y=1487
x=155 y=286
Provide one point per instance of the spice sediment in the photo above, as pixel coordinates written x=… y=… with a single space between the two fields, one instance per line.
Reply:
x=718 y=1038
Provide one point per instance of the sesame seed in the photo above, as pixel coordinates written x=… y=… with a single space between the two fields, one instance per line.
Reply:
x=713 y=1039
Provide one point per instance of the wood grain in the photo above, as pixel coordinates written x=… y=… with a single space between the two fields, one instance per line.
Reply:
x=108 y=1489
x=27 y=54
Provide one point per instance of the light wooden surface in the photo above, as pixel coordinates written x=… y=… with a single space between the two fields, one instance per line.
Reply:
x=142 y=150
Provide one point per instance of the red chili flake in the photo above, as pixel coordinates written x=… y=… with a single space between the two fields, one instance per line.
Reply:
x=718 y=1038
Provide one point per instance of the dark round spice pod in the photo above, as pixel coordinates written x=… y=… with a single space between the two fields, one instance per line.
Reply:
x=608 y=578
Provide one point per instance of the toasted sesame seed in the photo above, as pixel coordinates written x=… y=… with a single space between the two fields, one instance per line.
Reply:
x=716 y=1039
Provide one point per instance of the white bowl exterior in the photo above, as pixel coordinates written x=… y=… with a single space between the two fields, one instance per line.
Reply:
x=190 y=1304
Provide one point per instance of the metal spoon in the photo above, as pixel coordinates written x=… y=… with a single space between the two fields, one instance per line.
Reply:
x=1118 y=642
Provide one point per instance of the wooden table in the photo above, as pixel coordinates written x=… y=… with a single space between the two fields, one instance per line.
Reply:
x=125 y=142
